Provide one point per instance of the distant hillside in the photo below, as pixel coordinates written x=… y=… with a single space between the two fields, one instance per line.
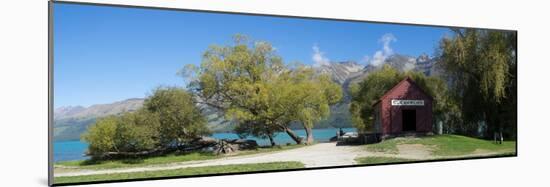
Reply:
x=71 y=121
x=99 y=110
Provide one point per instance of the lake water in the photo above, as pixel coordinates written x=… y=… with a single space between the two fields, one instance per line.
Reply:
x=74 y=150
x=69 y=150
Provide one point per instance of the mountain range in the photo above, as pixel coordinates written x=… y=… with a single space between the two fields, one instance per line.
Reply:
x=71 y=121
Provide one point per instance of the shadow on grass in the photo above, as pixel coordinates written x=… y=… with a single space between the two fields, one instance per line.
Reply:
x=90 y=162
x=132 y=161
x=142 y=159
x=98 y=161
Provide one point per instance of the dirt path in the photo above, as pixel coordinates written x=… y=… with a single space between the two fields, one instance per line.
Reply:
x=318 y=155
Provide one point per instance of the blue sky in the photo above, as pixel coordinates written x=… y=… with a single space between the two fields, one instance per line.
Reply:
x=106 y=54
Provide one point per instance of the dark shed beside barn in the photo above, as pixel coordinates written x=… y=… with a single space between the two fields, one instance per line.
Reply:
x=404 y=109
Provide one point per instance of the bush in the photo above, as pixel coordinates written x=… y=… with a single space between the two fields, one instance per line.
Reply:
x=101 y=136
x=130 y=132
x=169 y=116
x=137 y=131
x=180 y=120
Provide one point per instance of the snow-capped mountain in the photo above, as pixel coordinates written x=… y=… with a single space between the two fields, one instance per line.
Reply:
x=341 y=71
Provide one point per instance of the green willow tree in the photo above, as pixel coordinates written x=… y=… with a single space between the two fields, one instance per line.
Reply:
x=251 y=85
x=304 y=96
x=376 y=84
x=481 y=66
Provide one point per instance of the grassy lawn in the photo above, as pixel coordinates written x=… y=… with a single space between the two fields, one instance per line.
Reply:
x=388 y=146
x=183 y=172
x=447 y=145
x=380 y=160
x=166 y=159
x=455 y=145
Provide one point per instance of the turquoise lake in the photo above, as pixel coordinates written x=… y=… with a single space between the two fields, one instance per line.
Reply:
x=74 y=150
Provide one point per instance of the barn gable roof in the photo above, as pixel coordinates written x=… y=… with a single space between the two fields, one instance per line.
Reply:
x=406 y=79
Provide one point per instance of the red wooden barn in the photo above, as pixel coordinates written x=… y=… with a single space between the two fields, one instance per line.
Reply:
x=404 y=109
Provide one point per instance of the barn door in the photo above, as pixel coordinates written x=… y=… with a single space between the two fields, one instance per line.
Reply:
x=409 y=120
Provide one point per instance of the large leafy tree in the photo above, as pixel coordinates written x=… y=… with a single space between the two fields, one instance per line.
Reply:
x=367 y=92
x=251 y=85
x=481 y=66
x=304 y=96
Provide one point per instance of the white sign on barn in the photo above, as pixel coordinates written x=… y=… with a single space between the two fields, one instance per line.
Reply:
x=396 y=102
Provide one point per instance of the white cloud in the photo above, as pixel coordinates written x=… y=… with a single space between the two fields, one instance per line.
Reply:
x=409 y=66
x=319 y=57
x=380 y=56
x=386 y=40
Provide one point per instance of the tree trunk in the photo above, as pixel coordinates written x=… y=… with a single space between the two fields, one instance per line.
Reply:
x=271 y=140
x=293 y=135
x=309 y=135
x=500 y=129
